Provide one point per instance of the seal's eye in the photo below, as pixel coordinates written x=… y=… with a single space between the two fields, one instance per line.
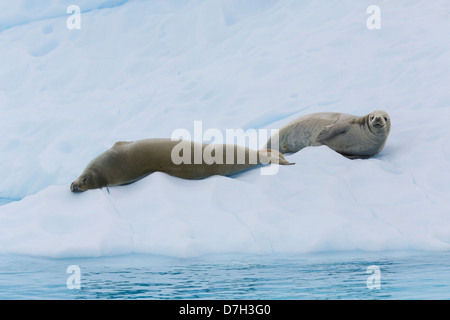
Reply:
x=371 y=117
x=385 y=118
x=85 y=180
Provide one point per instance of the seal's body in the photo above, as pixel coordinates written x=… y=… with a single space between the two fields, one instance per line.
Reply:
x=127 y=162
x=352 y=136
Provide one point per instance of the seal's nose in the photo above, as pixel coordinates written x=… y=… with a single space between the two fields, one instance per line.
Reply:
x=74 y=187
x=378 y=122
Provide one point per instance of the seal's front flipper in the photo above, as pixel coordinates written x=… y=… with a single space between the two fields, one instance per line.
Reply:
x=333 y=130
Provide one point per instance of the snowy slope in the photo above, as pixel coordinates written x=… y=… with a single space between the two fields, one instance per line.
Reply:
x=141 y=69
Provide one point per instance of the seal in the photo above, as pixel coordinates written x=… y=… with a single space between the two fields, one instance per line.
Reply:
x=352 y=136
x=127 y=162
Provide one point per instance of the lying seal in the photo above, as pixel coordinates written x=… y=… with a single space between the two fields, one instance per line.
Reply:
x=127 y=162
x=352 y=136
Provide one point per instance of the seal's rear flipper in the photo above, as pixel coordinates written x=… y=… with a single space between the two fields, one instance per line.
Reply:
x=273 y=156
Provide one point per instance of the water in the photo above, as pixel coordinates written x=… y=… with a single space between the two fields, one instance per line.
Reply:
x=403 y=275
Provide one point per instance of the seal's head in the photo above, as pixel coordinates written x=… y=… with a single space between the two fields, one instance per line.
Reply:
x=379 y=120
x=87 y=180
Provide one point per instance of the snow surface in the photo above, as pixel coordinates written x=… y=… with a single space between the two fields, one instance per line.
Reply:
x=141 y=69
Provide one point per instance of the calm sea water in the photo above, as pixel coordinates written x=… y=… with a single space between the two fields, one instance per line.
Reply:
x=401 y=275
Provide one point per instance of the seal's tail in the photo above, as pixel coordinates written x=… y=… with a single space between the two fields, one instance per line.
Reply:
x=272 y=156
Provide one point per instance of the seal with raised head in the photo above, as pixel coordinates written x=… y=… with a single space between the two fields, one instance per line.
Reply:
x=127 y=162
x=352 y=136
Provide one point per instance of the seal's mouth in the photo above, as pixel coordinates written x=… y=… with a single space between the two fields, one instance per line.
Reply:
x=378 y=125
